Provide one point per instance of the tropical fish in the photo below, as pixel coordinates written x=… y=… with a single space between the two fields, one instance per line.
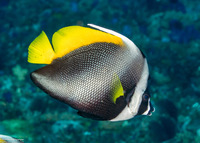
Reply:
x=101 y=73
x=8 y=139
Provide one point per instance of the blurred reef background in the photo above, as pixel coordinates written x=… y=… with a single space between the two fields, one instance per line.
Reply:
x=167 y=31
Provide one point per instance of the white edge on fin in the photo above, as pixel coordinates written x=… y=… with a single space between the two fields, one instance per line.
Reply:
x=126 y=41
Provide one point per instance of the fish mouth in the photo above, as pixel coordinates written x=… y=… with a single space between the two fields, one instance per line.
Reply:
x=152 y=109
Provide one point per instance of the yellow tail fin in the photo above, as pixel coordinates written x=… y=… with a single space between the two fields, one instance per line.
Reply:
x=40 y=50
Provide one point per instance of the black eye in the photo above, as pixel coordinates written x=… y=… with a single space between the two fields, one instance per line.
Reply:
x=145 y=97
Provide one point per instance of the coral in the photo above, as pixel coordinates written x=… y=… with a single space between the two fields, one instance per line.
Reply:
x=66 y=125
x=7 y=83
x=19 y=72
x=4 y=3
x=182 y=34
x=159 y=77
x=7 y=96
x=18 y=128
x=159 y=25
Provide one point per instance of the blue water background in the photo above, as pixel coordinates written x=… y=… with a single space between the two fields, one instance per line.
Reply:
x=167 y=31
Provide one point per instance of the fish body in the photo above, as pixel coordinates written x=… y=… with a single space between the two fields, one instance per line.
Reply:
x=8 y=139
x=101 y=73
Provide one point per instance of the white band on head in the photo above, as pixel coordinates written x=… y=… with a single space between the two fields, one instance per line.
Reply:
x=148 y=108
x=132 y=110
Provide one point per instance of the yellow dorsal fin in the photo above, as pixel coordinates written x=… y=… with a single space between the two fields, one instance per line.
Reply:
x=71 y=38
x=117 y=89
x=40 y=50
x=65 y=41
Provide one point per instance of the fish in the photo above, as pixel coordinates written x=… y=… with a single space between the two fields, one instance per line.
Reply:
x=97 y=71
x=8 y=139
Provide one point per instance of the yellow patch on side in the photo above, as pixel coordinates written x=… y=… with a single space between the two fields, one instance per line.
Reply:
x=71 y=38
x=40 y=50
x=117 y=89
x=2 y=141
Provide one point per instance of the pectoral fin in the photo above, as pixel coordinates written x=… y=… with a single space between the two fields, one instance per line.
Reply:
x=117 y=89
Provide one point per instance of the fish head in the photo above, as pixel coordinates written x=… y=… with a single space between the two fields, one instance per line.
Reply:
x=146 y=107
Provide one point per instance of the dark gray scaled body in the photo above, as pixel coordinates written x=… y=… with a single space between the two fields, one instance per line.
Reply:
x=83 y=78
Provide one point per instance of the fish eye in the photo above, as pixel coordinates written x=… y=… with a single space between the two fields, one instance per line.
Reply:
x=145 y=97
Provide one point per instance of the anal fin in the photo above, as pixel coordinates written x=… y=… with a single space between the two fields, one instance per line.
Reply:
x=91 y=116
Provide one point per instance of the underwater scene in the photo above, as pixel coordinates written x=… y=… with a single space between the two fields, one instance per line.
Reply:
x=78 y=71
